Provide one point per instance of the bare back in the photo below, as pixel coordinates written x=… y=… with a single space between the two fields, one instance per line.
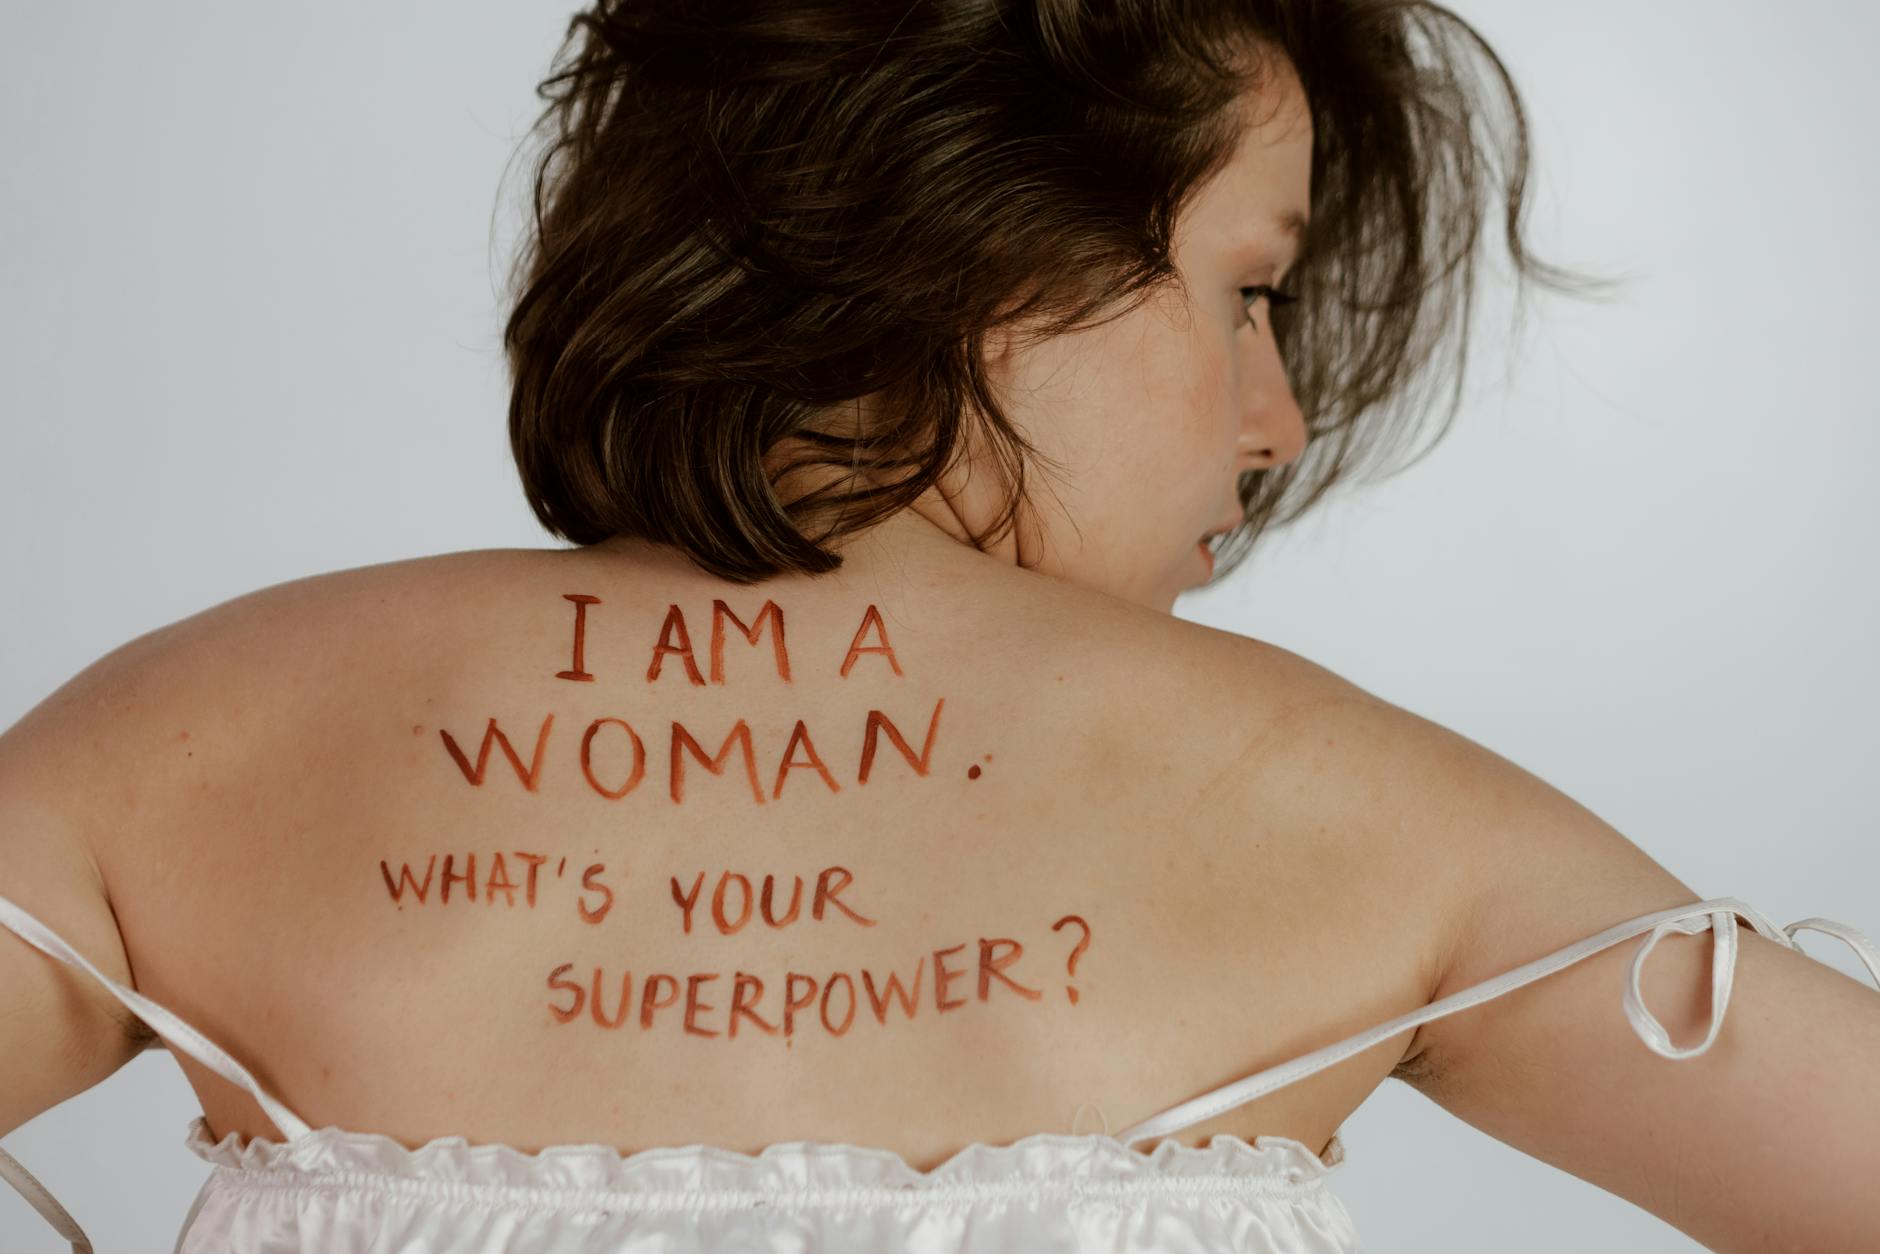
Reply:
x=546 y=847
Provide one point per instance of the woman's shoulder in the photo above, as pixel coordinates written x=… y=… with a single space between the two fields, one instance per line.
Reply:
x=141 y=736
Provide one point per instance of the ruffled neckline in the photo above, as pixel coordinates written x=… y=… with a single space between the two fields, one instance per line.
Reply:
x=786 y=1165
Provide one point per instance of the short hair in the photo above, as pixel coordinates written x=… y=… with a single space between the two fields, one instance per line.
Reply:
x=747 y=215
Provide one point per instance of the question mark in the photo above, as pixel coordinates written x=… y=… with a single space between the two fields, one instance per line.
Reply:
x=1070 y=964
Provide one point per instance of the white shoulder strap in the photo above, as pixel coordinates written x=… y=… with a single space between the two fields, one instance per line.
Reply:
x=42 y=1201
x=165 y=1024
x=1718 y=914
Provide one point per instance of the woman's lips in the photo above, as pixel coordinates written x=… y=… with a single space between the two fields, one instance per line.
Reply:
x=1207 y=554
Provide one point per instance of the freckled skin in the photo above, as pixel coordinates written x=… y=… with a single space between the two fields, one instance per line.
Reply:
x=605 y=1000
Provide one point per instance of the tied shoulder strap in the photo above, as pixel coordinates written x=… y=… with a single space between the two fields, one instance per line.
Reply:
x=1718 y=914
x=165 y=1024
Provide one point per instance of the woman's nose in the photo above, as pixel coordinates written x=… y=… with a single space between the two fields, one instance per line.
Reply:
x=1273 y=427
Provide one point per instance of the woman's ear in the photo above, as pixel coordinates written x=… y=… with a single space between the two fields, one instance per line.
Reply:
x=997 y=344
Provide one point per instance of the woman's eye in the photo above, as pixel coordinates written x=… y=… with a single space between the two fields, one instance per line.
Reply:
x=1274 y=297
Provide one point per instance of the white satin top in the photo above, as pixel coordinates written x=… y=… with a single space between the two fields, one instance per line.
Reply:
x=342 y=1192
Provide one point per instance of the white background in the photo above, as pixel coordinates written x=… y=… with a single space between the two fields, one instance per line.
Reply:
x=249 y=327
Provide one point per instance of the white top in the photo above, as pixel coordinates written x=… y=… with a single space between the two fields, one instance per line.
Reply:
x=337 y=1191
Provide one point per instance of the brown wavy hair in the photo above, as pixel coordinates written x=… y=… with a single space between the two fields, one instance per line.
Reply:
x=749 y=214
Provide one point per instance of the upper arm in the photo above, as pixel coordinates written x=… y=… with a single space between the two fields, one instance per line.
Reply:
x=1763 y=1142
x=141 y=777
x=60 y=1031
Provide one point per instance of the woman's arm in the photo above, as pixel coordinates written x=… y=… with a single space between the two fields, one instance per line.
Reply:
x=1765 y=1142
x=68 y=769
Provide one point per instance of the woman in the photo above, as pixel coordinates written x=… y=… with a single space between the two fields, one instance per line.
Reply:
x=849 y=783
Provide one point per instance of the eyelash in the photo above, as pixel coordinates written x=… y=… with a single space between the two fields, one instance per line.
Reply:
x=1275 y=298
